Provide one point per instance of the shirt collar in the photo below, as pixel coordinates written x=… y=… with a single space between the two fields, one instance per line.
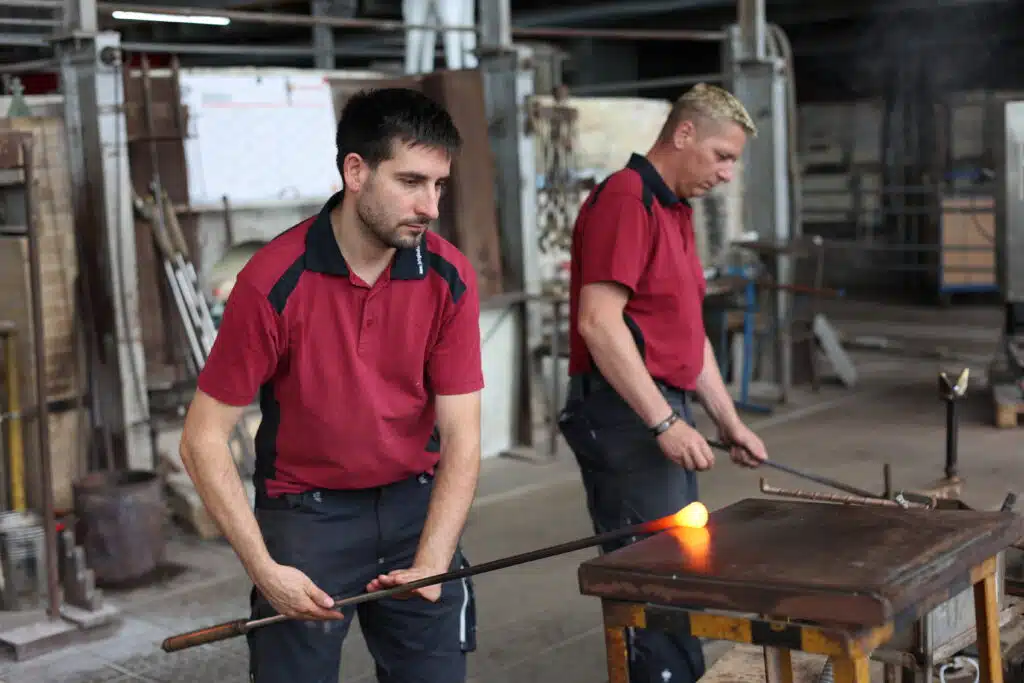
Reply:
x=653 y=180
x=324 y=256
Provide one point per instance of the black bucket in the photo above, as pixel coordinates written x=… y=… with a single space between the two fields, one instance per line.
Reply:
x=121 y=523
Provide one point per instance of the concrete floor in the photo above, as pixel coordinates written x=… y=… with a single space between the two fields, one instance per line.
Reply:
x=533 y=624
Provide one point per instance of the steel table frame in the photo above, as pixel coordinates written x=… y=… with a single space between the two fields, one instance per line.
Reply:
x=849 y=649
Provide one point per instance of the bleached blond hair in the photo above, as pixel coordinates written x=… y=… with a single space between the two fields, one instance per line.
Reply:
x=705 y=103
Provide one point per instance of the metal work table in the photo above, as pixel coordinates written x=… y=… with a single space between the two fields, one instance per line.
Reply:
x=816 y=577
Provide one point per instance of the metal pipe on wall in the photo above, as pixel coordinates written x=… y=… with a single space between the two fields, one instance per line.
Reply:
x=289 y=19
x=33 y=4
x=22 y=21
x=273 y=18
x=619 y=34
x=646 y=84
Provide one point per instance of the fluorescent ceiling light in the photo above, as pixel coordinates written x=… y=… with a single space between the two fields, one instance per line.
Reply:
x=172 y=18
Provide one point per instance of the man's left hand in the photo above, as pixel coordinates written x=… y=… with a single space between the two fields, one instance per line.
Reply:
x=747 y=449
x=403 y=576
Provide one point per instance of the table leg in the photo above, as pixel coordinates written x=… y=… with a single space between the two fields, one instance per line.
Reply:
x=618 y=655
x=986 y=611
x=851 y=670
x=778 y=665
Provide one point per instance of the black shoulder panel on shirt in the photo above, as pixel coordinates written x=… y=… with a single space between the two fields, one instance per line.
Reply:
x=648 y=199
x=286 y=284
x=450 y=274
x=597 y=191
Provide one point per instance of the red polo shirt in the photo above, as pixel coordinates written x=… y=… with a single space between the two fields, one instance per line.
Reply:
x=346 y=373
x=635 y=231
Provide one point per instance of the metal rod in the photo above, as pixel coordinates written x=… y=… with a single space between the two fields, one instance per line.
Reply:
x=646 y=84
x=951 y=438
x=23 y=21
x=43 y=410
x=620 y=34
x=275 y=18
x=15 y=436
x=34 y=4
x=255 y=50
x=834 y=497
x=289 y=19
x=824 y=481
x=33 y=65
x=23 y=40
x=240 y=627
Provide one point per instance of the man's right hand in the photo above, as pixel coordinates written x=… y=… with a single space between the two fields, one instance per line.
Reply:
x=687 y=447
x=294 y=594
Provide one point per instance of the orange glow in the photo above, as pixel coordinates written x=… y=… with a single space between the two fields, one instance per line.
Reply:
x=695 y=546
x=693 y=516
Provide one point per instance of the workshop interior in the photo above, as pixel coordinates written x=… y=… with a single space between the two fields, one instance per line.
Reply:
x=865 y=303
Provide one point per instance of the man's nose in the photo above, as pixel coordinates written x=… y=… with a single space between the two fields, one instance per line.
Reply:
x=427 y=204
x=725 y=174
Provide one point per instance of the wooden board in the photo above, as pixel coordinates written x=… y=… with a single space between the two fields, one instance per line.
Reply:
x=59 y=263
x=468 y=210
x=845 y=565
x=64 y=376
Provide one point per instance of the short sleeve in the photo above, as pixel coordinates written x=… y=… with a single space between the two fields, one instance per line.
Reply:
x=246 y=350
x=454 y=365
x=615 y=241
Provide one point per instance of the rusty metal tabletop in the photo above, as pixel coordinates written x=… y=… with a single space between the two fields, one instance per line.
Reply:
x=858 y=566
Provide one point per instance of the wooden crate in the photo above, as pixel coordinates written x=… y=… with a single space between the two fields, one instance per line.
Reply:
x=1007 y=405
x=968 y=243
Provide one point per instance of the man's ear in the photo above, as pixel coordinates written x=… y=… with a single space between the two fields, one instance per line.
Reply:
x=354 y=172
x=684 y=135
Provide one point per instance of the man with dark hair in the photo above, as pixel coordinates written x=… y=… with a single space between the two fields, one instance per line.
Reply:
x=638 y=352
x=359 y=330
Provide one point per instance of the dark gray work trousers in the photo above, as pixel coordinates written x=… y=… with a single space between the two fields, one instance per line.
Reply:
x=628 y=480
x=342 y=540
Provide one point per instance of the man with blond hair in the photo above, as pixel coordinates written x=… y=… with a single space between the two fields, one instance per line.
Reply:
x=638 y=351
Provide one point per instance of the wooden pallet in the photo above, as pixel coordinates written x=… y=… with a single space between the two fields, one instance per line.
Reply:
x=1008 y=404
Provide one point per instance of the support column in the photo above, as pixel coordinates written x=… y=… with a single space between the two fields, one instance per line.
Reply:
x=758 y=78
x=507 y=87
x=323 y=36
x=92 y=86
x=499 y=64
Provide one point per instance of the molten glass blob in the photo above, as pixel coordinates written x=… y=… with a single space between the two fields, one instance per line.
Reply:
x=693 y=516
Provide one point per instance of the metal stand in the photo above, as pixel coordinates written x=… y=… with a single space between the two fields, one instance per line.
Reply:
x=951 y=394
x=759 y=80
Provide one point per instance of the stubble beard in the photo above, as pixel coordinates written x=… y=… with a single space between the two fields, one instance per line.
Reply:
x=377 y=226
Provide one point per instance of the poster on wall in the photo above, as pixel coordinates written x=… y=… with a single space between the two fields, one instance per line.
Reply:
x=259 y=137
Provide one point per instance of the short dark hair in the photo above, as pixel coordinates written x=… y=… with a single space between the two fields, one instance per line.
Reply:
x=373 y=120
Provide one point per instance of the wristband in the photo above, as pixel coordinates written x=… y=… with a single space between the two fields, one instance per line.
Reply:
x=662 y=427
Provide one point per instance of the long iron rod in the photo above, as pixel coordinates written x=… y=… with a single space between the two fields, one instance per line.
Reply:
x=240 y=627
x=835 y=497
x=818 y=479
x=43 y=412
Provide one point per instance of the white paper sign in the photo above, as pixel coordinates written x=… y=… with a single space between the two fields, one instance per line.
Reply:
x=258 y=138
